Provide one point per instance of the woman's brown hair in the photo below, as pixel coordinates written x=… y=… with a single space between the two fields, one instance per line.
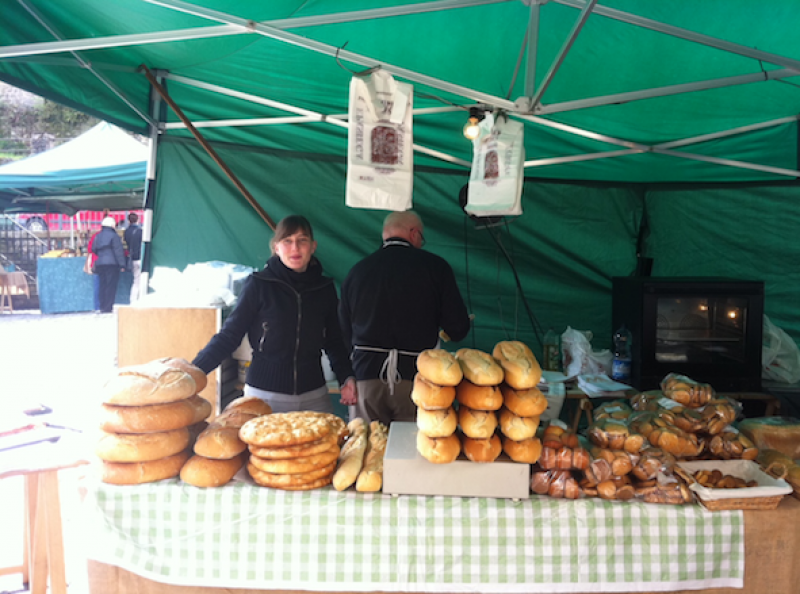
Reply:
x=289 y=226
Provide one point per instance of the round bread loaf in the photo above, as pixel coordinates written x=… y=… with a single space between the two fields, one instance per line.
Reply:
x=205 y=472
x=307 y=449
x=526 y=451
x=437 y=423
x=479 y=397
x=250 y=404
x=136 y=473
x=151 y=383
x=522 y=370
x=198 y=375
x=439 y=450
x=155 y=417
x=430 y=396
x=525 y=403
x=287 y=429
x=305 y=481
x=141 y=447
x=439 y=367
x=480 y=368
x=516 y=427
x=482 y=450
x=477 y=424
x=296 y=465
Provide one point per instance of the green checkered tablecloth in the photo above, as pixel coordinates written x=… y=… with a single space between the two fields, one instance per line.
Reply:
x=246 y=536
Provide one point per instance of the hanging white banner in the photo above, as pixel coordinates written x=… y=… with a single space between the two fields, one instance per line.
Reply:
x=495 y=182
x=380 y=171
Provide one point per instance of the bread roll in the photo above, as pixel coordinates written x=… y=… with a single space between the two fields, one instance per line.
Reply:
x=206 y=472
x=370 y=479
x=516 y=427
x=439 y=450
x=155 y=417
x=480 y=368
x=136 y=473
x=141 y=447
x=482 y=450
x=437 y=423
x=198 y=375
x=477 y=424
x=439 y=367
x=526 y=451
x=525 y=403
x=150 y=383
x=351 y=458
x=522 y=370
x=479 y=397
x=249 y=404
x=430 y=396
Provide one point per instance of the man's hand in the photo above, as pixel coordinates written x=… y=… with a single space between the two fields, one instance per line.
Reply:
x=349 y=392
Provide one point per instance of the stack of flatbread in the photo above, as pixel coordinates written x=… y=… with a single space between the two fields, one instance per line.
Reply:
x=295 y=451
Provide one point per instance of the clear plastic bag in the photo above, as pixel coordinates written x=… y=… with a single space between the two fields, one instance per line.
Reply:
x=780 y=356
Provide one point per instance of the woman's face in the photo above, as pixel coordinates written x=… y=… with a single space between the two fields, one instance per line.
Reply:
x=295 y=251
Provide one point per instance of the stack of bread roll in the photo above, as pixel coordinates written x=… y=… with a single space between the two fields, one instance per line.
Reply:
x=438 y=374
x=479 y=398
x=295 y=451
x=523 y=401
x=145 y=419
x=218 y=451
x=361 y=458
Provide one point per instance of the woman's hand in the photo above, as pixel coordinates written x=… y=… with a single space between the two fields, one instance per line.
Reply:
x=349 y=392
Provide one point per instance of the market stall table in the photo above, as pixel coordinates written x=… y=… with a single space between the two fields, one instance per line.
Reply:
x=170 y=538
x=65 y=287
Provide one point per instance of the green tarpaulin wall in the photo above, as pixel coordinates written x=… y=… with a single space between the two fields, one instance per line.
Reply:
x=569 y=242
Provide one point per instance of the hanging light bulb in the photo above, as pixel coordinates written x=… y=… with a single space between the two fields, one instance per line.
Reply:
x=471 y=128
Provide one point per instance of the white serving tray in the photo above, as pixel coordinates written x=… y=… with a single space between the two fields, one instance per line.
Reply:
x=744 y=469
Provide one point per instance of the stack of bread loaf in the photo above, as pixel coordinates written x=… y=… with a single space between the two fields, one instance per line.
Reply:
x=361 y=458
x=438 y=374
x=145 y=419
x=218 y=451
x=523 y=401
x=294 y=451
x=479 y=399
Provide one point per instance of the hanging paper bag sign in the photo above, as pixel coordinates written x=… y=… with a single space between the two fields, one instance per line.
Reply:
x=495 y=182
x=380 y=152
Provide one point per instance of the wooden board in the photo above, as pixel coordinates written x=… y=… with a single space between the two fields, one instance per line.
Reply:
x=147 y=333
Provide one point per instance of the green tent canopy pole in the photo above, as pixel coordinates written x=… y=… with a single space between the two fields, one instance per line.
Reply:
x=212 y=153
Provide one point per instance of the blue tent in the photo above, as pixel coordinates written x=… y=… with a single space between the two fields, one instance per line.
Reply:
x=103 y=168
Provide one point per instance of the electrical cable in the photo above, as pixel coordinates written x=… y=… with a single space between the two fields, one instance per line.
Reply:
x=466 y=273
x=536 y=327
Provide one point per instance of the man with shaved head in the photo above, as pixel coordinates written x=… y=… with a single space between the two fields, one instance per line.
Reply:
x=393 y=304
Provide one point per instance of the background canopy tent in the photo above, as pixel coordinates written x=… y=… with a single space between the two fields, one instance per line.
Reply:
x=667 y=129
x=103 y=168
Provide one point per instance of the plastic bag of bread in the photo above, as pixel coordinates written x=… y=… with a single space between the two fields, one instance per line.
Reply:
x=731 y=444
x=651 y=463
x=677 y=442
x=614 y=434
x=620 y=461
x=686 y=391
x=779 y=464
x=718 y=414
x=646 y=400
x=617 y=409
x=774 y=433
x=559 y=484
x=564 y=458
x=665 y=489
x=684 y=418
x=618 y=488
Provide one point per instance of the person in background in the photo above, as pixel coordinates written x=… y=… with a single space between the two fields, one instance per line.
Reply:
x=133 y=240
x=95 y=276
x=393 y=304
x=109 y=263
x=289 y=312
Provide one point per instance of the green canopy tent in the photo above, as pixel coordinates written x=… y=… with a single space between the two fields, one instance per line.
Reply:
x=667 y=128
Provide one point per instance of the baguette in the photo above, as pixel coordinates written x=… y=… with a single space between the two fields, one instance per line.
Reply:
x=220 y=440
x=370 y=479
x=351 y=458
x=207 y=472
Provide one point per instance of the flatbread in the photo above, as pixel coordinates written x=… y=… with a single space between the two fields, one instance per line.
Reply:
x=296 y=465
x=281 y=453
x=287 y=429
x=293 y=482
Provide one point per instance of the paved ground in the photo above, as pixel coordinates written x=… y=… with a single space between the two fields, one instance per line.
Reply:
x=61 y=361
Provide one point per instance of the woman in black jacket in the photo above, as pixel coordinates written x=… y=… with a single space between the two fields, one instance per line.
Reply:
x=289 y=312
x=109 y=263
